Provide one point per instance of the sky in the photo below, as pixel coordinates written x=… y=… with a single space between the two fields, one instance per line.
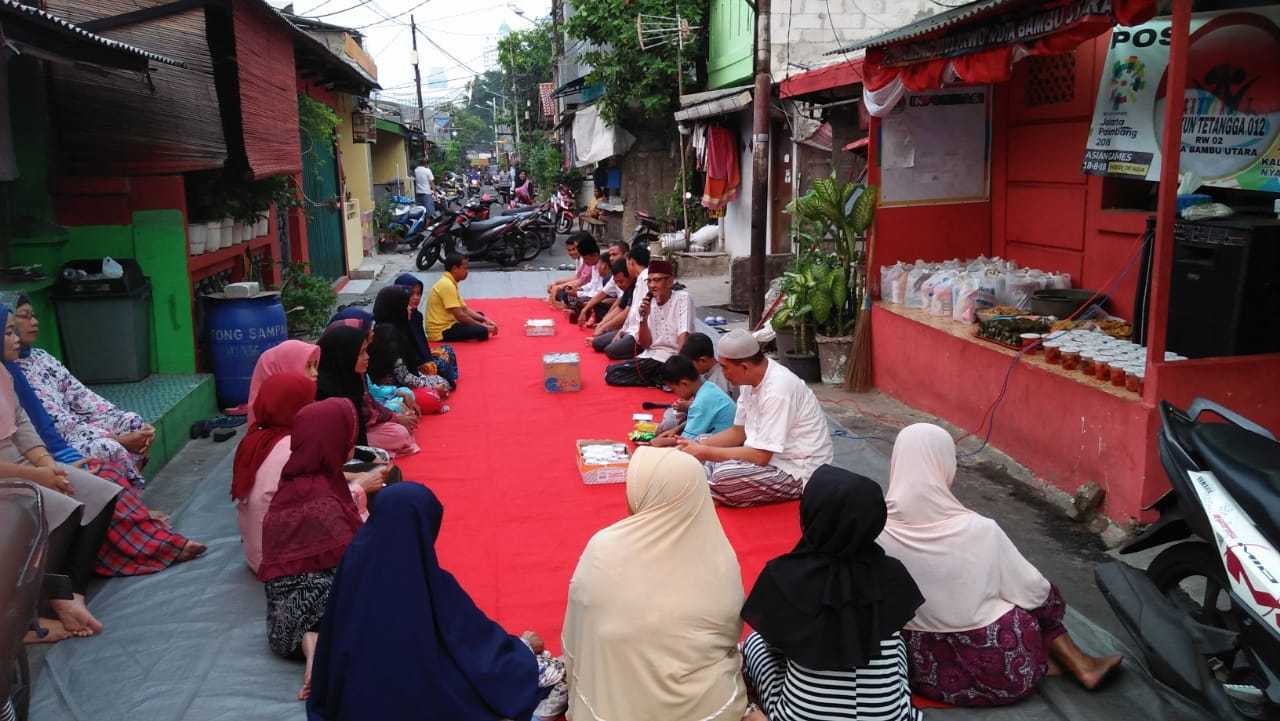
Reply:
x=466 y=33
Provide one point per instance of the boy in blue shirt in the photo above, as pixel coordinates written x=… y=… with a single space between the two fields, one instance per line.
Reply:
x=710 y=408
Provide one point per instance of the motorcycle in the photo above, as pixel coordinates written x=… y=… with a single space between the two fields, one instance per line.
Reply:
x=646 y=231
x=407 y=226
x=1205 y=612
x=564 y=209
x=498 y=239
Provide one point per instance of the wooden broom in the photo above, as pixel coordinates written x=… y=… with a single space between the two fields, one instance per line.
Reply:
x=858 y=378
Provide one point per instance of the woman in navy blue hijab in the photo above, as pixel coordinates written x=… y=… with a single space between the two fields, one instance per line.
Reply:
x=445 y=360
x=401 y=640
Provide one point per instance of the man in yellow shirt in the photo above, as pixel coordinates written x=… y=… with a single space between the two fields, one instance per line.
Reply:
x=448 y=317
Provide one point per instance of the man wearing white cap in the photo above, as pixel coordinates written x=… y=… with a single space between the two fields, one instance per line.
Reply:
x=779 y=436
x=664 y=318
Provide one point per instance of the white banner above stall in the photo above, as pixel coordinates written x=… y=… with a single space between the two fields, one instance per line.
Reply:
x=1231 y=126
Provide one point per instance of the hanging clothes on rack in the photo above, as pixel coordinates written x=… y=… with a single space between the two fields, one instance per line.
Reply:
x=723 y=173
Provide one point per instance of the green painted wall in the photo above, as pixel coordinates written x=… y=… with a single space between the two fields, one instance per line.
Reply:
x=731 y=48
x=157 y=239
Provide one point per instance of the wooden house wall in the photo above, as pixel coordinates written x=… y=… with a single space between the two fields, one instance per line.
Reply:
x=116 y=123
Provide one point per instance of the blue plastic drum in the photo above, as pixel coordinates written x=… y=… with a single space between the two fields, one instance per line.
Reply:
x=240 y=329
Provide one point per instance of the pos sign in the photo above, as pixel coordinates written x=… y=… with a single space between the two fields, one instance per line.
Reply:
x=1231 y=122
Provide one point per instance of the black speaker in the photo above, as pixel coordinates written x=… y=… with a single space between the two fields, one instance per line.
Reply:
x=1225 y=295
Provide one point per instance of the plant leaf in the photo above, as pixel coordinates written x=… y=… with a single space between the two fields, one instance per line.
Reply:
x=864 y=209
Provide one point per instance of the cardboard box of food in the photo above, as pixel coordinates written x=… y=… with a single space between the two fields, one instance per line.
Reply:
x=561 y=372
x=539 y=327
x=613 y=471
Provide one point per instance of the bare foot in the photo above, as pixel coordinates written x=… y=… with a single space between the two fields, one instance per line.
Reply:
x=192 y=550
x=1054 y=668
x=1097 y=671
x=54 y=632
x=309 y=641
x=755 y=714
x=161 y=517
x=75 y=616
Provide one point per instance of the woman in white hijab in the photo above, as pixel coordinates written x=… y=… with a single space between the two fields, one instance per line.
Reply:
x=652 y=627
x=991 y=624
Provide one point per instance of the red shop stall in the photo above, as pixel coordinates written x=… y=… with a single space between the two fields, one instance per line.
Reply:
x=1031 y=132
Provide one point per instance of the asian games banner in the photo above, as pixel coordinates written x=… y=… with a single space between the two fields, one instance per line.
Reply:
x=1231 y=121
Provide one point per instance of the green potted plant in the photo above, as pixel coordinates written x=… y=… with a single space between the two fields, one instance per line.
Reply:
x=832 y=219
x=799 y=288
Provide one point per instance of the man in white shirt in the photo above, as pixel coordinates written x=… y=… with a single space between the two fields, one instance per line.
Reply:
x=615 y=336
x=779 y=437
x=664 y=320
x=423 y=193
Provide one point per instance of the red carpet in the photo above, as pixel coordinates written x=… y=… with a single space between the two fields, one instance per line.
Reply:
x=517 y=514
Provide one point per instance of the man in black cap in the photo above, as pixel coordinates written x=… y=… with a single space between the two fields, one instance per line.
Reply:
x=664 y=320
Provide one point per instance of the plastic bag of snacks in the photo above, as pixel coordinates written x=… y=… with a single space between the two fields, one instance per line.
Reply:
x=940 y=298
x=1021 y=288
x=913 y=296
x=889 y=275
x=1059 y=281
x=990 y=288
x=964 y=297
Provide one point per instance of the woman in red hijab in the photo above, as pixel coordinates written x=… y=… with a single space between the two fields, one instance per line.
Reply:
x=307 y=528
x=264 y=451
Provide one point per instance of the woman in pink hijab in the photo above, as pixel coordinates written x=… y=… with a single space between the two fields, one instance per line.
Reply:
x=991 y=624
x=291 y=356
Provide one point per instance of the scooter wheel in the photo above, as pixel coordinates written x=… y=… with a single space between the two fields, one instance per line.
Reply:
x=428 y=255
x=564 y=225
x=1191 y=575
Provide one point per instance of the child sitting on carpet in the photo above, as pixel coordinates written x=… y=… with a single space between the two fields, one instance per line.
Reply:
x=710 y=410
x=699 y=349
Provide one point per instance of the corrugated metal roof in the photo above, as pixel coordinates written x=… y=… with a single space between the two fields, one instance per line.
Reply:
x=932 y=24
x=13 y=7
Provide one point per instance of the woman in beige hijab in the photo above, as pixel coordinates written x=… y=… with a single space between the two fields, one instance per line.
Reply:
x=652 y=628
x=991 y=624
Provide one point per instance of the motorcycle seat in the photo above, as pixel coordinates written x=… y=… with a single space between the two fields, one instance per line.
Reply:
x=479 y=226
x=643 y=216
x=1248 y=466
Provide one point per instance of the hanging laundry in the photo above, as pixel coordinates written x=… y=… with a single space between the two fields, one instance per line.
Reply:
x=723 y=173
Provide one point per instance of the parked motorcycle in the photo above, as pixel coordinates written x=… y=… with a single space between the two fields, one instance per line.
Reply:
x=1205 y=612
x=646 y=231
x=407 y=226
x=564 y=208
x=498 y=239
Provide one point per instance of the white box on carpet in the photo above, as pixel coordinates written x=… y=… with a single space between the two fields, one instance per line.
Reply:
x=602 y=461
x=539 y=326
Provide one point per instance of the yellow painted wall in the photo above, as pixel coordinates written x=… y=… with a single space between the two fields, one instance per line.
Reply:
x=357 y=171
x=391 y=160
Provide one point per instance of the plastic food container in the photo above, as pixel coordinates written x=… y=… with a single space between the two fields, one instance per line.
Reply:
x=1087 y=359
x=1133 y=378
x=1030 y=342
x=1070 y=357
x=1102 y=365
x=1053 y=351
x=1117 y=371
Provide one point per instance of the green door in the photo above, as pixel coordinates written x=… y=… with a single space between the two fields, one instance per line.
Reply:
x=324 y=208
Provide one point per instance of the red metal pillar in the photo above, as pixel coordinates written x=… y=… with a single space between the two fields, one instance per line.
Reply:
x=1167 y=198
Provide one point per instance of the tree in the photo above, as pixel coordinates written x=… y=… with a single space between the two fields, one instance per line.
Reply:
x=526 y=58
x=637 y=83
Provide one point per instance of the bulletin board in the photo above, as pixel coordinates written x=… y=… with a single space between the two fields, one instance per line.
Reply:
x=935 y=148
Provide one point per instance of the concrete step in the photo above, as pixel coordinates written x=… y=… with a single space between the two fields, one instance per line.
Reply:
x=366 y=271
x=171 y=403
x=356 y=287
x=701 y=265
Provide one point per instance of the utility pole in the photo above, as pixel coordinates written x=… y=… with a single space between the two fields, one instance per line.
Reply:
x=515 y=98
x=760 y=162
x=417 y=75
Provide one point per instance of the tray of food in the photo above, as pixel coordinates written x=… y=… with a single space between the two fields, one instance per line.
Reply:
x=1008 y=331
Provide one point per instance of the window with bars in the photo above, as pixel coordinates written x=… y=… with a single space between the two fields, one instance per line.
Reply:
x=1050 y=79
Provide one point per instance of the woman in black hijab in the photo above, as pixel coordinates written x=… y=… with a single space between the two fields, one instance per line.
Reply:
x=826 y=617
x=344 y=359
x=408 y=367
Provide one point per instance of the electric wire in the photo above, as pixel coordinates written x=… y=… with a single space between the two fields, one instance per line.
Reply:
x=357 y=6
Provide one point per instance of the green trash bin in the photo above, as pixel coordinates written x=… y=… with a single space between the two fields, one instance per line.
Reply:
x=105 y=323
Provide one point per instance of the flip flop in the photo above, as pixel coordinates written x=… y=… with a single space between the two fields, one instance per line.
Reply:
x=201 y=429
x=228 y=421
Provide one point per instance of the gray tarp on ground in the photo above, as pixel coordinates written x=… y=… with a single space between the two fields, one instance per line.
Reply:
x=190 y=644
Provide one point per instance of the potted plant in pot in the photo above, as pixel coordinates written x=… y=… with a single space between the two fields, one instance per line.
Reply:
x=831 y=223
x=799 y=284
